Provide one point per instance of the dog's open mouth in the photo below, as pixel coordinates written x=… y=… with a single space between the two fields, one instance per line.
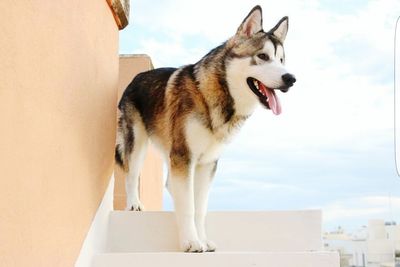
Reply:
x=266 y=95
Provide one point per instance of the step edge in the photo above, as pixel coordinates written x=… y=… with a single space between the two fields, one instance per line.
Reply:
x=311 y=211
x=328 y=253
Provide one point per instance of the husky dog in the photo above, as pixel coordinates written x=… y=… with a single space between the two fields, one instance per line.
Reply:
x=191 y=112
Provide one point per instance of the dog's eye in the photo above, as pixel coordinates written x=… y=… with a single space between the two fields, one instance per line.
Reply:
x=263 y=56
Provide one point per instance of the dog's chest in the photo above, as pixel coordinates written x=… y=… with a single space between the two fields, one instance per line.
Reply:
x=205 y=145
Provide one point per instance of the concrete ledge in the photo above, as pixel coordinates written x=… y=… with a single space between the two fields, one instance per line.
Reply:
x=273 y=231
x=217 y=259
x=120 y=10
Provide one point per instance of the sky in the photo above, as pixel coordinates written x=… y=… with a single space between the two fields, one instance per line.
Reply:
x=332 y=148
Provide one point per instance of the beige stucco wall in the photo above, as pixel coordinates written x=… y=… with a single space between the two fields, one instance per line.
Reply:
x=58 y=80
x=151 y=183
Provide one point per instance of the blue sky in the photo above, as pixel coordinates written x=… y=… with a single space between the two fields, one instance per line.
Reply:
x=333 y=146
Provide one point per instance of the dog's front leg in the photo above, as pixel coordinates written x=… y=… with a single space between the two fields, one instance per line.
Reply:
x=203 y=177
x=180 y=185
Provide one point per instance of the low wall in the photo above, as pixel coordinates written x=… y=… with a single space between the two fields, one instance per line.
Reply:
x=151 y=183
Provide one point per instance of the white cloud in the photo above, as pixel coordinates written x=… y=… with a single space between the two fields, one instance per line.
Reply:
x=214 y=20
x=262 y=187
x=372 y=207
x=170 y=51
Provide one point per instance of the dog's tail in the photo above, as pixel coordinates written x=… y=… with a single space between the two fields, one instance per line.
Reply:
x=121 y=157
x=120 y=151
x=118 y=156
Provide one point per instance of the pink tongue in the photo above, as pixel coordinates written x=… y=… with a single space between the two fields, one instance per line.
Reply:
x=273 y=100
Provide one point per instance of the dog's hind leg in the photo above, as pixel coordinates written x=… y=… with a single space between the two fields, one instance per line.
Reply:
x=131 y=148
x=135 y=165
x=203 y=177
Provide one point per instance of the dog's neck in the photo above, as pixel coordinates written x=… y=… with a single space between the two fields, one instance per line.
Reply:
x=224 y=117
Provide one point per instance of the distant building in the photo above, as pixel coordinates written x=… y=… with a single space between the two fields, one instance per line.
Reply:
x=377 y=245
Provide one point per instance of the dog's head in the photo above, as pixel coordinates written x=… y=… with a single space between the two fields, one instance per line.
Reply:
x=257 y=61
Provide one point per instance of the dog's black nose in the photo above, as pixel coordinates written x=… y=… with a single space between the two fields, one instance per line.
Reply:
x=288 y=79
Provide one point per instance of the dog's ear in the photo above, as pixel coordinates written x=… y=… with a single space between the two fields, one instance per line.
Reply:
x=280 y=30
x=251 y=24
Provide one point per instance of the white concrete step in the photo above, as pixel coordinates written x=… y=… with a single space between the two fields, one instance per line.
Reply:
x=218 y=259
x=272 y=231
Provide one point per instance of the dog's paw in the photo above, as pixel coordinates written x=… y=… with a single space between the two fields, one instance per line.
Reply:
x=210 y=245
x=136 y=206
x=193 y=246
